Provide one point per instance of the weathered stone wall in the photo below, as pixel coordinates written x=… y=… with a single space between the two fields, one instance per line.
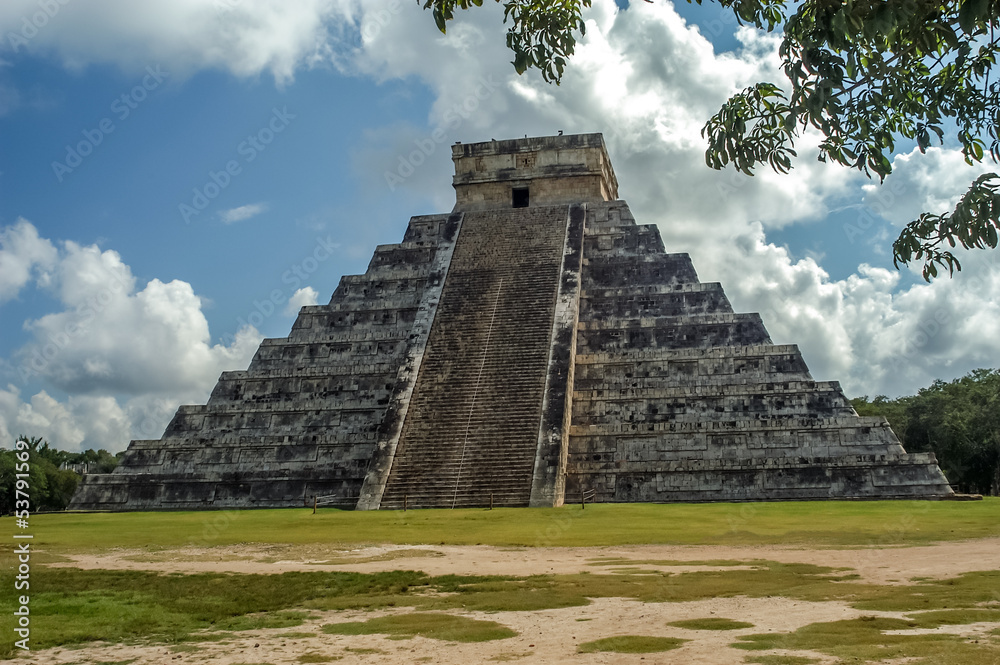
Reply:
x=557 y=170
x=565 y=190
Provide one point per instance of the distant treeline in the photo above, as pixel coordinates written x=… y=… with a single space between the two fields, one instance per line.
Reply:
x=958 y=421
x=49 y=486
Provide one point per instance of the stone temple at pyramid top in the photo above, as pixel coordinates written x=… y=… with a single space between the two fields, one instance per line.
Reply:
x=541 y=171
x=532 y=346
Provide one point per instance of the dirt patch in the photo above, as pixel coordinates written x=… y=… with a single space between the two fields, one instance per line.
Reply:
x=897 y=565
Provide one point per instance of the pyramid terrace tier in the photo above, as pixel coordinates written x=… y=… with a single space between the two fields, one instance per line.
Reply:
x=304 y=392
x=651 y=405
x=279 y=419
x=331 y=350
x=202 y=491
x=736 y=437
x=754 y=363
x=682 y=299
x=623 y=240
x=671 y=332
x=883 y=476
x=641 y=270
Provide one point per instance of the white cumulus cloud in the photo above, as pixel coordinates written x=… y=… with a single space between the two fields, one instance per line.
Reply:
x=79 y=423
x=931 y=182
x=303 y=297
x=245 y=37
x=113 y=337
x=241 y=213
x=23 y=256
x=111 y=341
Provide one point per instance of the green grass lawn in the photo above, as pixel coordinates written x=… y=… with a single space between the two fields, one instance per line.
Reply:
x=809 y=523
x=866 y=640
x=631 y=644
x=427 y=624
x=711 y=623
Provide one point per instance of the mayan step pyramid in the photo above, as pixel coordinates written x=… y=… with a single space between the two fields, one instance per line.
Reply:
x=531 y=345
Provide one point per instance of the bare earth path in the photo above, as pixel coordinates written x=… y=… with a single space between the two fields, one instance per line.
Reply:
x=545 y=636
x=876 y=566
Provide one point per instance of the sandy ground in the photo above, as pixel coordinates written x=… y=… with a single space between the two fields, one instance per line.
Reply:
x=546 y=636
x=892 y=565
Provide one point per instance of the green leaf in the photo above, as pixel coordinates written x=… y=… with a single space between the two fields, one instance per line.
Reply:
x=971 y=13
x=439 y=19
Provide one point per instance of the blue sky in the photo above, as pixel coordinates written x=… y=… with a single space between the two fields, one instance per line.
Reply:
x=285 y=128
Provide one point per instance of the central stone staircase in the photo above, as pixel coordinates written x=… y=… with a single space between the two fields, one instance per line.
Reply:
x=473 y=422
